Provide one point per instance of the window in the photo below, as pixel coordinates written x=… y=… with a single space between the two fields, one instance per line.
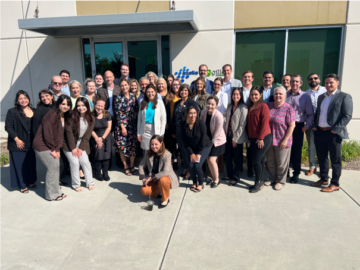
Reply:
x=87 y=58
x=165 y=54
x=307 y=51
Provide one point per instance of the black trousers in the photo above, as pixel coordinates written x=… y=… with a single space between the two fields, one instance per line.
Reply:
x=22 y=168
x=196 y=171
x=248 y=157
x=236 y=154
x=298 y=141
x=258 y=156
x=64 y=164
x=101 y=164
x=325 y=142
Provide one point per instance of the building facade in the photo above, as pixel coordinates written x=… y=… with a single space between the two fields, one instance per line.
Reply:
x=89 y=37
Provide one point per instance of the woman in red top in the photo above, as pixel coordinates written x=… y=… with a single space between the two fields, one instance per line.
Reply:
x=259 y=134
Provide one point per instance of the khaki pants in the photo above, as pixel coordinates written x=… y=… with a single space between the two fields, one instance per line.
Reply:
x=154 y=187
x=278 y=163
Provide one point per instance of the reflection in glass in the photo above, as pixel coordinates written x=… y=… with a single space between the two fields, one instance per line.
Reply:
x=165 y=53
x=109 y=56
x=87 y=58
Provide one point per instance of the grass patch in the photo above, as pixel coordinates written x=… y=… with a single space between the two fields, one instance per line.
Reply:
x=4 y=159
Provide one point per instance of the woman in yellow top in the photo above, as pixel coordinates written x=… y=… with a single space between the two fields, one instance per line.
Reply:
x=170 y=141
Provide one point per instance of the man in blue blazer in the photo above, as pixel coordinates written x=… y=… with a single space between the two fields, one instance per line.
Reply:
x=203 y=71
x=333 y=113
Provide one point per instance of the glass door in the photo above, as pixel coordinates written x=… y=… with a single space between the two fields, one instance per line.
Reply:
x=108 y=56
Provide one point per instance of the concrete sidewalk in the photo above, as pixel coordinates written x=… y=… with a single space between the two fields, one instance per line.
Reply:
x=224 y=228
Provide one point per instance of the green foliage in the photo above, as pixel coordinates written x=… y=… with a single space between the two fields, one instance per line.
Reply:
x=4 y=159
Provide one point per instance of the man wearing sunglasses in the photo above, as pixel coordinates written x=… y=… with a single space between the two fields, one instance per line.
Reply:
x=55 y=87
x=314 y=92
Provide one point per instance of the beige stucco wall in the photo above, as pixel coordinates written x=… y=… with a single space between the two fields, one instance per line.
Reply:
x=114 y=7
x=267 y=14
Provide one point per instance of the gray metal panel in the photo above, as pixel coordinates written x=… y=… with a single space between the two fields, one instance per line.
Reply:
x=149 y=22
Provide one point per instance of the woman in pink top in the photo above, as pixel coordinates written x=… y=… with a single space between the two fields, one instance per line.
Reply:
x=214 y=122
x=282 y=124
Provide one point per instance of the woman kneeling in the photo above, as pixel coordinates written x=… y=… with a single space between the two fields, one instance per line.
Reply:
x=162 y=177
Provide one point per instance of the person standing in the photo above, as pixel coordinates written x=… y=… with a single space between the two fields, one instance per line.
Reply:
x=45 y=105
x=153 y=78
x=109 y=93
x=76 y=143
x=229 y=83
x=65 y=77
x=124 y=71
x=20 y=137
x=176 y=124
x=135 y=88
x=55 y=87
x=214 y=122
x=99 y=81
x=101 y=142
x=75 y=89
x=203 y=71
x=268 y=89
x=169 y=80
x=314 y=92
x=236 y=136
x=304 y=116
x=161 y=88
x=198 y=146
x=285 y=81
x=333 y=113
x=151 y=118
x=199 y=95
x=90 y=92
x=162 y=177
x=48 y=142
x=221 y=96
x=126 y=109
x=259 y=134
x=282 y=124
x=144 y=82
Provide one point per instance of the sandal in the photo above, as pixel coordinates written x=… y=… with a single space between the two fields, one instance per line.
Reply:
x=91 y=187
x=215 y=184
x=78 y=189
x=59 y=198
x=133 y=171
x=63 y=196
x=193 y=187
x=33 y=186
x=199 y=190
x=129 y=172
x=25 y=191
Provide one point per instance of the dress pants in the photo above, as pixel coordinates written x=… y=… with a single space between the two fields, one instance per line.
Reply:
x=101 y=164
x=258 y=156
x=22 y=168
x=298 y=141
x=184 y=152
x=196 y=171
x=235 y=154
x=249 y=158
x=75 y=162
x=278 y=163
x=310 y=139
x=154 y=187
x=325 y=142
x=64 y=164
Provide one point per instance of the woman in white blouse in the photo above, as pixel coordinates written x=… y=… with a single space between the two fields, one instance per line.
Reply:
x=223 y=97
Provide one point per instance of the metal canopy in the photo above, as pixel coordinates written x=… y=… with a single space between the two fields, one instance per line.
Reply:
x=147 y=22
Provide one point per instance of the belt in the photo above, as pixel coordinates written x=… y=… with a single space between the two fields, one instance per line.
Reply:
x=325 y=129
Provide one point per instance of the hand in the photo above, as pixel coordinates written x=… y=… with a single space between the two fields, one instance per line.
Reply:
x=260 y=143
x=314 y=129
x=124 y=132
x=79 y=152
x=139 y=138
x=304 y=129
x=283 y=144
x=234 y=144
x=198 y=157
x=99 y=145
x=333 y=132
x=19 y=143
x=174 y=136
x=99 y=140
x=146 y=181
x=56 y=154
x=193 y=158
x=74 y=152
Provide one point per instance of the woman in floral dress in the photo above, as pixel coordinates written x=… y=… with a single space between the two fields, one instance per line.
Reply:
x=126 y=109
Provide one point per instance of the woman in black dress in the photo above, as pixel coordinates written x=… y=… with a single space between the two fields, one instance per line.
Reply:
x=101 y=141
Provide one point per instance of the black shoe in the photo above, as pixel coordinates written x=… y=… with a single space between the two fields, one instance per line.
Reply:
x=106 y=175
x=215 y=185
x=98 y=175
x=159 y=196
x=257 y=187
x=175 y=165
x=62 y=183
x=288 y=174
x=163 y=206
x=209 y=181
x=232 y=184
x=250 y=173
x=294 y=179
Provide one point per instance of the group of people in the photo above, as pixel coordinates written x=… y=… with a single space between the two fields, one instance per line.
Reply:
x=159 y=119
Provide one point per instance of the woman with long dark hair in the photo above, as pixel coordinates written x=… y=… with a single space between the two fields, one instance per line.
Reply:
x=200 y=95
x=102 y=141
x=259 y=133
x=169 y=80
x=47 y=144
x=76 y=143
x=45 y=104
x=22 y=156
x=177 y=124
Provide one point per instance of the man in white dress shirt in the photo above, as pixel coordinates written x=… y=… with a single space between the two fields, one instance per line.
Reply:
x=229 y=83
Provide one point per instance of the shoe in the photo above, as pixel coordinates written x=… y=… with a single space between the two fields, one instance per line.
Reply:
x=98 y=175
x=267 y=183
x=310 y=172
x=259 y=185
x=250 y=173
x=278 y=186
x=288 y=174
x=106 y=175
x=226 y=178
x=199 y=190
x=209 y=181
x=215 y=185
x=294 y=179
x=164 y=205
x=232 y=184
x=320 y=183
x=331 y=188
x=175 y=165
x=62 y=183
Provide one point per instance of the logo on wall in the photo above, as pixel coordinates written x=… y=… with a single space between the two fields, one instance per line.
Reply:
x=184 y=73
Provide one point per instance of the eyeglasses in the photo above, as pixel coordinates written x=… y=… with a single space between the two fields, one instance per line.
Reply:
x=313 y=78
x=203 y=70
x=57 y=83
x=217 y=84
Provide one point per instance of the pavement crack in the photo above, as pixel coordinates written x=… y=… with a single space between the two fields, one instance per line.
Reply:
x=350 y=196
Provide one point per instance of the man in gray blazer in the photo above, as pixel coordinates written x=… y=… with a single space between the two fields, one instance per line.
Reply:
x=333 y=113
x=229 y=83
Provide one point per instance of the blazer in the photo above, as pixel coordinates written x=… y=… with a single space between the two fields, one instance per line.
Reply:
x=271 y=93
x=202 y=103
x=50 y=134
x=339 y=113
x=103 y=93
x=15 y=127
x=197 y=139
x=39 y=114
x=216 y=127
x=72 y=135
x=238 y=123
x=209 y=86
x=165 y=168
x=189 y=102
x=159 y=120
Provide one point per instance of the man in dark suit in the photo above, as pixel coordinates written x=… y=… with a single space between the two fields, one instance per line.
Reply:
x=268 y=88
x=203 y=71
x=124 y=70
x=333 y=113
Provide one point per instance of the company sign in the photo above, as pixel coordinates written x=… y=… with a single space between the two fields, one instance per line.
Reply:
x=185 y=73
